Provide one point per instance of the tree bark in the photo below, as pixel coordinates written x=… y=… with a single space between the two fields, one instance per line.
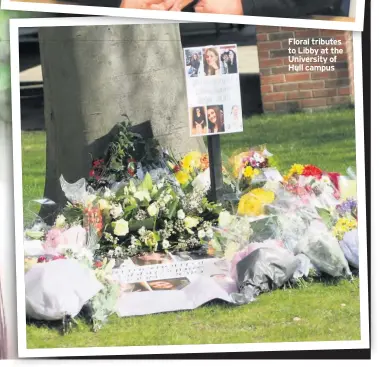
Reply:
x=95 y=75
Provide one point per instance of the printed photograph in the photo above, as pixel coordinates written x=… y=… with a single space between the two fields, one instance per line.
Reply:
x=228 y=57
x=215 y=115
x=169 y=284
x=106 y=171
x=348 y=14
x=198 y=121
x=212 y=64
x=194 y=62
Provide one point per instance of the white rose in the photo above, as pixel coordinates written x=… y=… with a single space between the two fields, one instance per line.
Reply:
x=60 y=222
x=201 y=234
x=104 y=204
x=153 y=209
x=116 y=211
x=165 y=244
x=191 y=222
x=121 y=228
x=224 y=219
x=181 y=215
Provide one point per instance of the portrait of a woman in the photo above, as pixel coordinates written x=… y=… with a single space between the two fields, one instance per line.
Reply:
x=195 y=65
x=199 y=126
x=215 y=116
x=232 y=62
x=211 y=62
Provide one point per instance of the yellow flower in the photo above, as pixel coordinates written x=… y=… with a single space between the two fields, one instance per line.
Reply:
x=182 y=177
x=253 y=203
x=343 y=226
x=250 y=172
x=296 y=169
x=191 y=160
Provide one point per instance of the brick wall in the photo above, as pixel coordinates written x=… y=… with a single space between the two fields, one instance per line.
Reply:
x=289 y=91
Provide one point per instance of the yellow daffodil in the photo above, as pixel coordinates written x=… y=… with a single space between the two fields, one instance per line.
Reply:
x=250 y=172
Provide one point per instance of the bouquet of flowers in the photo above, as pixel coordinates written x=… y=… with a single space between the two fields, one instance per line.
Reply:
x=247 y=168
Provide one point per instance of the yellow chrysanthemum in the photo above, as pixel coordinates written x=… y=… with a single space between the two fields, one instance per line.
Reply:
x=253 y=203
x=191 y=160
x=182 y=177
x=236 y=163
x=296 y=169
x=250 y=172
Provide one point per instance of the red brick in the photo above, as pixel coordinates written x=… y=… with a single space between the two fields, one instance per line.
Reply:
x=324 y=75
x=345 y=91
x=331 y=32
x=270 y=63
x=286 y=87
x=288 y=106
x=307 y=33
x=333 y=83
x=338 y=100
x=263 y=55
x=331 y=92
x=262 y=37
x=297 y=77
x=280 y=70
x=313 y=102
x=299 y=94
x=269 y=107
x=265 y=72
x=280 y=36
x=312 y=85
x=274 y=45
x=268 y=88
x=266 y=29
x=274 y=97
x=272 y=79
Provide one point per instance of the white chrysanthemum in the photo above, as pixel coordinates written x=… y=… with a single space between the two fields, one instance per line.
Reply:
x=165 y=244
x=60 y=222
x=142 y=231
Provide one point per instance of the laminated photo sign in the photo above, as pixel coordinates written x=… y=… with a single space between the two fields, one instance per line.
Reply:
x=213 y=90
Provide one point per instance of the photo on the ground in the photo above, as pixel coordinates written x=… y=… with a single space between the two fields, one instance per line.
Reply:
x=260 y=228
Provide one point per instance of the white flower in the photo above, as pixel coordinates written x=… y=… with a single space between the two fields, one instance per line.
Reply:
x=202 y=181
x=110 y=253
x=104 y=204
x=258 y=158
x=121 y=227
x=209 y=233
x=118 y=251
x=180 y=214
x=201 y=234
x=142 y=195
x=191 y=222
x=116 y=211
x=165 y=244
x=60 y=222
x=224 y=219
x=142 y=231
x=153 y=209
x=108 y=194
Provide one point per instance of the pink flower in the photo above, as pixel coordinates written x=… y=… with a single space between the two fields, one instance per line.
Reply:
x=53 y=239
x=57 y=240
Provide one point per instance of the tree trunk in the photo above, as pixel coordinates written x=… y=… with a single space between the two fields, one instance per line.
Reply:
x=95 y=75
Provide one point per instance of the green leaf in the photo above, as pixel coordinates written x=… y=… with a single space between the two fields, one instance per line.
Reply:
x=135 y=225
x=147 y=183
x=326 y=217
x=172 y=208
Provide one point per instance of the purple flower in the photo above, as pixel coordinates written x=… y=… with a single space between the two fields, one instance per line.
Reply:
x=347 y=207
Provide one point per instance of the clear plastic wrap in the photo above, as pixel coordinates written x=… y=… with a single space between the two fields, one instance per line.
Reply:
x=59 y=288
x=323 y=250
x=350 y=248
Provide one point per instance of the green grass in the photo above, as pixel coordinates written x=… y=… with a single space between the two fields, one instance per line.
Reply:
x=325 y=139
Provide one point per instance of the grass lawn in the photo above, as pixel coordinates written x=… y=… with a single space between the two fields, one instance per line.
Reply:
x=326 y=312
